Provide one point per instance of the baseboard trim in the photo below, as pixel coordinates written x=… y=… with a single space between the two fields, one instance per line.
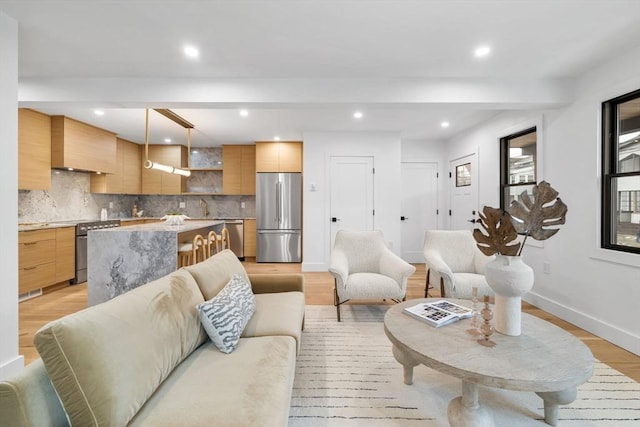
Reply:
x=11 y=367
x=613 y=334
x=314 y=266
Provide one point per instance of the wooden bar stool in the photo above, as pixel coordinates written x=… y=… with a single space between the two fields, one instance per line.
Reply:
x=213 y=243
x=225 y=240
x=191 y=253
x=218 y=242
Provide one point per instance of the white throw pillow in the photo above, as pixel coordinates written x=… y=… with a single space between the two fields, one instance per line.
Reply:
x=225 y=316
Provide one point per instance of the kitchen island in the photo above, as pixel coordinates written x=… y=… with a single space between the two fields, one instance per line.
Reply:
x=121 y=259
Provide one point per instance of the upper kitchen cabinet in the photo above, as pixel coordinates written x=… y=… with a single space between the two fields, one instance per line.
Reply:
x=81 y=146
x=34 y=150
x=239 y=173
x=158 y=182
x=279 y=156
x=127 y=178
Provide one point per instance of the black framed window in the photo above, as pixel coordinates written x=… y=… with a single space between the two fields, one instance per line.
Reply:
x=621 y=173
x=518 y=160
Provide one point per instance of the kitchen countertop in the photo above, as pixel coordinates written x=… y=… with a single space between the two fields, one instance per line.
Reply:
x=31 y=226
x=162 y=226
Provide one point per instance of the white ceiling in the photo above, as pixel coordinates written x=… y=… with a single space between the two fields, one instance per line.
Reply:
x=305 y=65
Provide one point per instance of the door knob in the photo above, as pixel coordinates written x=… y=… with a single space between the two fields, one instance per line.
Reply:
x=404 y=218
x=471 y=221
x=334 y=219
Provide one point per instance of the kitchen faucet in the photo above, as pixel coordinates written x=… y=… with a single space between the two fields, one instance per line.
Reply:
x=205 y=211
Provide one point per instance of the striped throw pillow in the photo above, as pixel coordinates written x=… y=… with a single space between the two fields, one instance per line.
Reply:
x=225 y=316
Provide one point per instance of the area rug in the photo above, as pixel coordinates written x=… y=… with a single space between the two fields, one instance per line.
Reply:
x=346 y=376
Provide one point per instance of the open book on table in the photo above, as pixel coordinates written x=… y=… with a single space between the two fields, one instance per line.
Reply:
x=439 y=313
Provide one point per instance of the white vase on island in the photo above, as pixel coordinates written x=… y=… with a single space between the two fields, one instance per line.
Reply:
x=509 y=278
x=171 y=219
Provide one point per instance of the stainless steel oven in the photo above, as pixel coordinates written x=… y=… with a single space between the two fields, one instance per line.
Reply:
x=81 y=245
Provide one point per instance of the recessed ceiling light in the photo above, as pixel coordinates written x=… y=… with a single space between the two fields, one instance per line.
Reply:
x=357 y=115
x=444 y=124
x=482 y=51
x=276 y=138
x=167 y=140
x=244 y=113
x=191 y=51
x=98 y=112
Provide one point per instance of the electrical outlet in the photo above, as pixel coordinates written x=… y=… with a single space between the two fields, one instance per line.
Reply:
x=546 y=267
x=241 y=205
x=183 y=205
x=110 y=205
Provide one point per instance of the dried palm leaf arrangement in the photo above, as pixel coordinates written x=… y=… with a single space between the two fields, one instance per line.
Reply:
x=527 y=216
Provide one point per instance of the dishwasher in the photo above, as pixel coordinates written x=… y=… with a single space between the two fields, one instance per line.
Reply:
x=236 y=235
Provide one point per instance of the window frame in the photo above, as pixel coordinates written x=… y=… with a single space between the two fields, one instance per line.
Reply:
x=504 y=162
x=609 y=146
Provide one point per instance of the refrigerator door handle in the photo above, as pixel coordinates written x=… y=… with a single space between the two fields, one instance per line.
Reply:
x=279 y=202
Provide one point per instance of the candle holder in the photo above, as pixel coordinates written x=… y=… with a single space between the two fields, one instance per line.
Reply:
x=475 y=313
x=486 y=329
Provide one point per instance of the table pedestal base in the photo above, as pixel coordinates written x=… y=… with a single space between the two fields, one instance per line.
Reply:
x=466 y=411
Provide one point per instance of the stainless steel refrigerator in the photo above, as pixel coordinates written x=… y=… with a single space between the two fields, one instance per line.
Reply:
x=278 y=217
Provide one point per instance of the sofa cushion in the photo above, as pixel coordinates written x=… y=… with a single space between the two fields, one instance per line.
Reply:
x=215 y=272
x=277 y=314
x=249 y=387
x=106 y=361
x=225 y=315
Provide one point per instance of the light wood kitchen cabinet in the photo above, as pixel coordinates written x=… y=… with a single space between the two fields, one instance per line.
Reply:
x=65 y=254
x=239 y=169
x=81 y=146
x=45 y=257
x=158 y=182
x=34 y=150
x=36 y=259
x=127 y=178
x=249 y=237
x=279 y=156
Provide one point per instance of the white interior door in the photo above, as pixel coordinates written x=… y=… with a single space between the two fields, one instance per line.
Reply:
x=419 y=207
x=464 y=192
x=351 y=201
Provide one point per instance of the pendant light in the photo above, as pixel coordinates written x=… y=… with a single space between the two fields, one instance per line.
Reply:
x=148 y=164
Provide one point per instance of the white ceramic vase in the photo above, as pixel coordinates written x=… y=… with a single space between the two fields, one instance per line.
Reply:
x=174 y=219
x=510 y=278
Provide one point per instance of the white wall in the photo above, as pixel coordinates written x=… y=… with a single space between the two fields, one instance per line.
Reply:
x=384 y=147
x=10 y=361
x=595 y=289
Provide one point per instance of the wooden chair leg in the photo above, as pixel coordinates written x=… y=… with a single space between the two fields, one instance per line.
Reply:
x=442 y=295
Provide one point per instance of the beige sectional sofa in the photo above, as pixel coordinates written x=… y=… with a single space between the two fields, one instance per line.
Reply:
x=143 y=358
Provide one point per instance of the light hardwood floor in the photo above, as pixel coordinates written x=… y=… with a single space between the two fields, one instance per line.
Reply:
x=318 y=290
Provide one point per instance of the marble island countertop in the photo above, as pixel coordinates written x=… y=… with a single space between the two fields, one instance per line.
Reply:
x=162 y=226
x=31 y=226
x=122 y=258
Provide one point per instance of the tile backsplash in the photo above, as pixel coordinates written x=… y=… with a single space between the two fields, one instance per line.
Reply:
x=70 y=199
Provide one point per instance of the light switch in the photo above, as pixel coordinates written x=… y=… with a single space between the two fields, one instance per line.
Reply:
x=183 y=205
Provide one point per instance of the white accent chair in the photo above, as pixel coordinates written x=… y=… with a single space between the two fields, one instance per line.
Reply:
x=364 y=268
x=454 y=263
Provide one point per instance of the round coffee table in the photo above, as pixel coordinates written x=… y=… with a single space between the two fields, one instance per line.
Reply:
x=544 y=359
